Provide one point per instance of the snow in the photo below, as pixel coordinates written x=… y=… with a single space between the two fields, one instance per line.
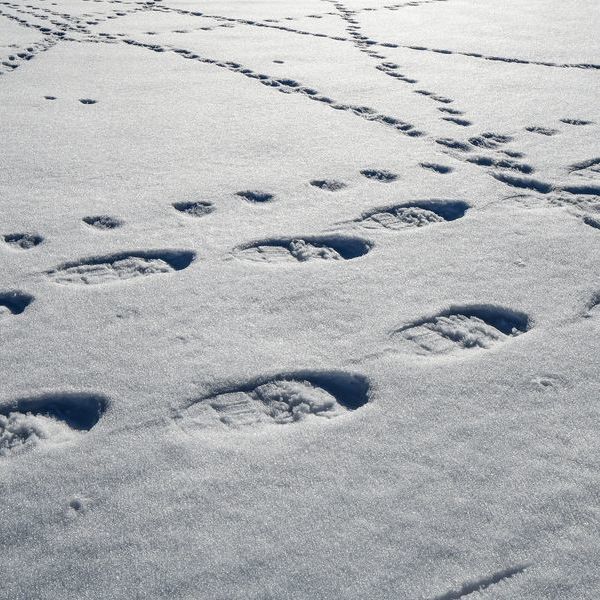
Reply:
x=299 y=299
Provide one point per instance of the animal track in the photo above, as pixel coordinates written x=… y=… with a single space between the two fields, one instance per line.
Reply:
x=284 y=399
x=587 y=168
x=462 y=328
x=121 y=267
x=329 y=185
x=542 y=130
x=13 y=303
x=23 y=241
x=377 y=175
x=443 y=169
x=576 y=122
x=103 y=222
x=490 y=140
x=453 y=144
x=592 y=221
x=50 y=418
x=457 y=121
x=87 y=101
x=413 y=214
x=478 y=585
x=253 y=196
x=304 y=249
x=194 y=209
x=526 y=183
x=502 y=163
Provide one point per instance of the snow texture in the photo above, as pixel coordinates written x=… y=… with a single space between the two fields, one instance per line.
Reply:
x=299 y=299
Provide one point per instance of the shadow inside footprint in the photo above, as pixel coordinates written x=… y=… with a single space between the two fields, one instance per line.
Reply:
x=87 y=101
x=279 y=400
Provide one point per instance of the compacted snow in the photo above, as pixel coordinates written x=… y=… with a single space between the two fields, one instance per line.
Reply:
x=300 y=299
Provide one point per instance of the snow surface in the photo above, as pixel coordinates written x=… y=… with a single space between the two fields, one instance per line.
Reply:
x=299 y=299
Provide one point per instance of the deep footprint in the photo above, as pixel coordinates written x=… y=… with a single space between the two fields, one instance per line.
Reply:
x=284 y=399
x=13 y=303
x=121 y=267
x=413 y=214
x=50 y=418
x=462 y=328
x=23 y=241
x=305 y=249
x=194 y=209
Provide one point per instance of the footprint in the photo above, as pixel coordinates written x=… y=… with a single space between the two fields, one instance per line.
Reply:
x=121 y=267
x=592 y=221
x=304 y=249
x=253 y=196
x=453 y=144
x=548 y=382
x=87 y=101
x=462 y=328
x=576 y=122
x=303 y=396
x=490 y=140
x=48 y=419
x=378 y=175
x=13 y=303
x=526 y=183
x=457 y=121
x=23 y=241
x=443 y=169
x=103 y=222
x=487 y=161
x=194 y=209
x=50 y=97
x=413 y=214
x=329 y=185
x=587 y=168
x=542 y=130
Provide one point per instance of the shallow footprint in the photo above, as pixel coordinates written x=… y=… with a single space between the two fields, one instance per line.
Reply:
x=51 y=418
x=462 y=328
x=303 y=249
x=413 y=214
x=121 y=267
x=284 y=399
